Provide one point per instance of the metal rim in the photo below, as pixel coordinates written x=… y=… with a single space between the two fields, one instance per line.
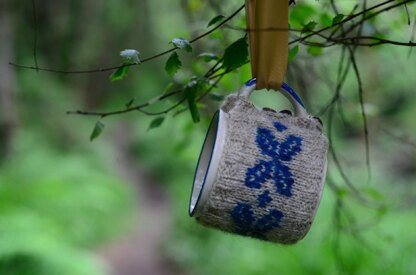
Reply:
x=204 y=163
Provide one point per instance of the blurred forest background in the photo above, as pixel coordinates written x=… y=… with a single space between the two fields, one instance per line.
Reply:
x=119 y=205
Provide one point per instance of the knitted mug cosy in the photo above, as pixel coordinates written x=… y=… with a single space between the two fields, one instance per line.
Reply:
x=268 y=177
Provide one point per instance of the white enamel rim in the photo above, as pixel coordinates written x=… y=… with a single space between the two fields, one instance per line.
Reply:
x=208 y=162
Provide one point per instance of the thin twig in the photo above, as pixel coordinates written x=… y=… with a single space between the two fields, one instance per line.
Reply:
x=334 y=154
x=164 y=112
x=341 y=77
x=363 y=113
x=407 y=13
x=354 y=41
x=403 y=139
x=127 y=110
x=351 y=51
x=35 y=34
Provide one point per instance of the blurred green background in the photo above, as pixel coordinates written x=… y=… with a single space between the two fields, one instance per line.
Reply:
x=119 y=205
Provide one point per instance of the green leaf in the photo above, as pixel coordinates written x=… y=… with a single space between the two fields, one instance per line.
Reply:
x=338 y=18
x=191 y=92
x=293 y=53
x=182 y=44
x=215 y=20
x=301 y=14
x=156 y=122
x=120 y=73
x=325 y=20
x=207 y=57
x=310 y=26
x=236 y=54
x=194 y=110
x=314 y=50
x=131 y=101
x=173 y=64
x=98 y=129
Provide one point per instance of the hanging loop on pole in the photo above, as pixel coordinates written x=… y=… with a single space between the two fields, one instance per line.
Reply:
x=267 y=22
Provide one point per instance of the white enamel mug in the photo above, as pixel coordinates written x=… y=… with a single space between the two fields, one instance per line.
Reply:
x=260 y=173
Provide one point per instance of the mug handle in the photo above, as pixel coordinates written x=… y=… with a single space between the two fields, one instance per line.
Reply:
x=287 y=91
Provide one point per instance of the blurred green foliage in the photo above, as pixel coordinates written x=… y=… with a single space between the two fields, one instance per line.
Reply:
x=61 y=197
x=55 y=206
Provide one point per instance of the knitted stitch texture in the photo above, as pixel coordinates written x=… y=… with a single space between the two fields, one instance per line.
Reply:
x=271 y=174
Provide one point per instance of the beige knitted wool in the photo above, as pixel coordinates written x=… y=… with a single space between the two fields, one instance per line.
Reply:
x=270 y=175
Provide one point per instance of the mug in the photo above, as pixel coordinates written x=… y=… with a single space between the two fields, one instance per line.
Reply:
x=260 y=173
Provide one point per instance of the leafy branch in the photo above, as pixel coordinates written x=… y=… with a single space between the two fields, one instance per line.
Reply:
x=99 y=70
x=236 y=55
x=228 y=63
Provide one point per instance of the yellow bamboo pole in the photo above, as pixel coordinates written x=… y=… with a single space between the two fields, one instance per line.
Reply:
x=267 y=21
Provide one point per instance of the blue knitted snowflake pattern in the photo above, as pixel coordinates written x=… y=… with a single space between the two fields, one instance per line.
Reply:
x=273 y=166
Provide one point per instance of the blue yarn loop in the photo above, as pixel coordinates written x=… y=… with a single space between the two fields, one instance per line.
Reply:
x=273 y=166
x=292 y=92
x=285 y=86
x=251 y=82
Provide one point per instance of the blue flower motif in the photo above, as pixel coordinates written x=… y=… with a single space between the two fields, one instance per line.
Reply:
x=277 y=154
x=244 y=218
x=274 y=166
